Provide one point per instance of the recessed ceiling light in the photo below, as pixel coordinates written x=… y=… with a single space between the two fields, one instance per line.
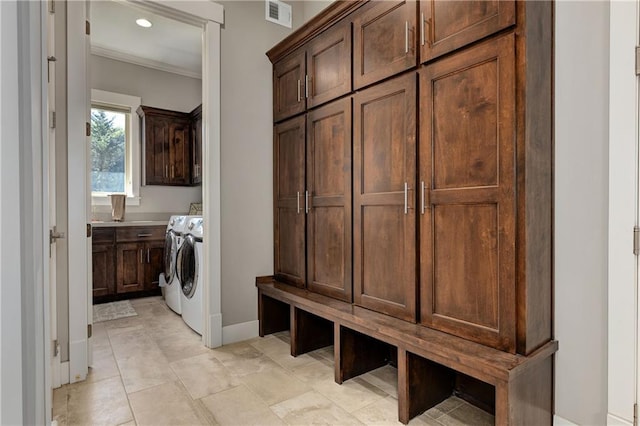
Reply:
x=144 y=23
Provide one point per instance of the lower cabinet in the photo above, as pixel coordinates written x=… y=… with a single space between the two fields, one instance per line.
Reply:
x=127 y=261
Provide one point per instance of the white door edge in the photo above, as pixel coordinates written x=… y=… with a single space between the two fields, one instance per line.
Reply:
x=623 y=207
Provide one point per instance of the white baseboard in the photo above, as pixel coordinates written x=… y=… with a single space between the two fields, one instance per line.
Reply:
x=216 y=332
x=613 y=420
x=78 y=351
x=559 y=421
x=239 y=332
x=64 y=373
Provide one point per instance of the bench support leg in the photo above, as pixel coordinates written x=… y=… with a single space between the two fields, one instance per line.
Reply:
x=422 y=384
x=309 y=332
x=273 y=315
x=356 y=354
x=527 y=398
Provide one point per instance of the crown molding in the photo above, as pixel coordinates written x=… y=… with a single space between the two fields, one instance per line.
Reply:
x=144 y=62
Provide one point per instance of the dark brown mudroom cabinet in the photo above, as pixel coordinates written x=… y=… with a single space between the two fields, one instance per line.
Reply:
x=413 y=203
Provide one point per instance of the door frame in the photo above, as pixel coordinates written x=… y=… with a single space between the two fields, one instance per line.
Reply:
x=209 y=16
x=623 y=214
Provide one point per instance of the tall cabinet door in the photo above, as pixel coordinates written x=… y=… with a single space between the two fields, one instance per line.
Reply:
x=384 y=167
x=288 y=86
x=156 y=140
x=384 y=40
x=467 y=207
x=447 y=25
x=179 y=155
x=289 y=199
x=329 y=65
x=329 y=205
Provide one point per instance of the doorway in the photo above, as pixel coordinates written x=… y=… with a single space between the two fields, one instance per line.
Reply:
x=207 y=16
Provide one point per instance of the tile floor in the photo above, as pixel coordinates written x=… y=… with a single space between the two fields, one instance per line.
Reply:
x=151 y=369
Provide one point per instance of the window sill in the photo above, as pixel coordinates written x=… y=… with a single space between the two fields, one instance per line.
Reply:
x=100 y=200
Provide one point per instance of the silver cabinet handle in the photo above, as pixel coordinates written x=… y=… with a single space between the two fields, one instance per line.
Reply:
x=141 y=260
x=406 y=198
x=298 y=202
x=306 y=202
x=148 y=256
x=422 y=202
x=406 y=36
x=144 y=235
x=306 y=86
x=422 y=28
x=299 y=91
x=166 y=170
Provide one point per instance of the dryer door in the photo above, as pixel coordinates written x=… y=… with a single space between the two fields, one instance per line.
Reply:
x=188 y=266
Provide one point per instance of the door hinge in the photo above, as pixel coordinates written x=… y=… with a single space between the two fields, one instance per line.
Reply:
x=89 y=232
x=87 y=28
x=88 y=128
x=636 y=240
x=635 y=414
x=52 y=120
x=89 y=330
x=52 y=6
x=56 y=348
x=637 y=60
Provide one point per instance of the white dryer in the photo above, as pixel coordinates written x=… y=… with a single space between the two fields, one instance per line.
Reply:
x=190 y=267
x=169 y=281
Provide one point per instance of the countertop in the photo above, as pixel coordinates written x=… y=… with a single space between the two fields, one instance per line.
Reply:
x=100 y=224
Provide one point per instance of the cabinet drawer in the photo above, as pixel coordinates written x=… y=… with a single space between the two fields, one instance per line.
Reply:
x=103 y=235
x=140 y=233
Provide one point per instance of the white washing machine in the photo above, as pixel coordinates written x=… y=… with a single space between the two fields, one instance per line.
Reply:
x=190 y=266
x=169 y=281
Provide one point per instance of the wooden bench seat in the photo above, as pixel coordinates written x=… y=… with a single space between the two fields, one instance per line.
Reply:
x=429 y=362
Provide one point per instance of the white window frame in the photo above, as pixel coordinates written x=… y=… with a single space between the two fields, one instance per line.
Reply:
x=132 y=161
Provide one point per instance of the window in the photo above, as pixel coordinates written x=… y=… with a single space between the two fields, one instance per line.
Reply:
x=114 y=149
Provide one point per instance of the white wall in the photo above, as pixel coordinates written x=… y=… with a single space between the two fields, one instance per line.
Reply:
x=246 y=154
x=158 y=89
x=581 y=197
x=312 y=7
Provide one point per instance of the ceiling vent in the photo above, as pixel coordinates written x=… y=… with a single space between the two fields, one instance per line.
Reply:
x=278 y=12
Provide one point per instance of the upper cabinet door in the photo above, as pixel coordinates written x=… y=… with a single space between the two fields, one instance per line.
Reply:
x=446 y=25
x=288 y=86
x=384 y=38
x=329 y=65
x=467 y=194
x=289 y=199
x=329 y=204
x=179 y=152
x=384 y=219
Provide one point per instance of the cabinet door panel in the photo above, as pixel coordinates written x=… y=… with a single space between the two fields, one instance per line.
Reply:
x=448 y=25
x=329 y=185
x=130 y=267
x=288 y=86
x=384 y=223
x=179 y=156
x=156 y=150
x=329 y=64
x=289 y=199
x=196 y=146
x=384 y=40
x=104 y=266
x=467 y=225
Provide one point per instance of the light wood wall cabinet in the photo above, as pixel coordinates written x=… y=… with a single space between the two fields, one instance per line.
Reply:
x=384 y=38
x=384 y=170
x=315 y=74
x=450 y=198
x=312 y=185
x=448 y=25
